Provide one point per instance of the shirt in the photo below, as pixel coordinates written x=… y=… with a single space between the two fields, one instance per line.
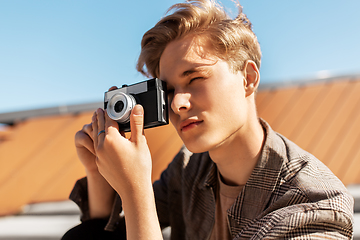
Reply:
x=290 y=195
x=225 y=198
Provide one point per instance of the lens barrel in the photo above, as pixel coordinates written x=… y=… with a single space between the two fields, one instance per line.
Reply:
x=119 y=107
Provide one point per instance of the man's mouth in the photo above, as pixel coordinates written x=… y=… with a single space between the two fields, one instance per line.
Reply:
x=189 y=124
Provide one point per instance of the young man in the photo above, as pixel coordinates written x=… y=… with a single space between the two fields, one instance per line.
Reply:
x=235 y=178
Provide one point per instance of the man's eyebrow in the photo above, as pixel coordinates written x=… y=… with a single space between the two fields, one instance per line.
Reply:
x=195 y=70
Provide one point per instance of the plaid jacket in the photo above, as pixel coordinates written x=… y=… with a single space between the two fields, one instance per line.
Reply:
x=289 y=195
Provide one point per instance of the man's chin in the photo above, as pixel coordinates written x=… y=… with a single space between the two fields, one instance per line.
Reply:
x=195 y=146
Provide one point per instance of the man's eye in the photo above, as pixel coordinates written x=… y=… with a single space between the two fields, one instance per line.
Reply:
x=193 y=79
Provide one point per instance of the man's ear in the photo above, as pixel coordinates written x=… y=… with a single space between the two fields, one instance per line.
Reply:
x=252 y=77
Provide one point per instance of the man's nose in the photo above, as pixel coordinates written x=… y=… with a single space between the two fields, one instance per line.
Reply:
x=180 y=102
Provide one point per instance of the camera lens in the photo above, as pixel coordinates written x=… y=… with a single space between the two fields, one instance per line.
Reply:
x=119 y=106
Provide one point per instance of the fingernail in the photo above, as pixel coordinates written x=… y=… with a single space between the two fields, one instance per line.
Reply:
x=138 y=110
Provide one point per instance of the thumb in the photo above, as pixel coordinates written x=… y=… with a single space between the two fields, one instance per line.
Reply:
x=137 y=123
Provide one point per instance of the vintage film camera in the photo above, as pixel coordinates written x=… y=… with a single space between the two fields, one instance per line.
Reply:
x=151 y=94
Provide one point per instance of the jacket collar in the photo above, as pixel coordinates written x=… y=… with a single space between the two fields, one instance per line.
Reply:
x=257 y=192
x=272 y=149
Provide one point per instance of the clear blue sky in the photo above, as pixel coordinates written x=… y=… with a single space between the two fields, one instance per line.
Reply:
x=61 y=52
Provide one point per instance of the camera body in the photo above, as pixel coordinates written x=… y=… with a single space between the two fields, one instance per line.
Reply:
x=151 y=94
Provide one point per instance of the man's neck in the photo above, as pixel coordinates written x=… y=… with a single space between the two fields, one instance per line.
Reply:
x=237 y=158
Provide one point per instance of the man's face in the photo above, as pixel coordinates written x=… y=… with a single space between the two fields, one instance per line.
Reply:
x=207 y=101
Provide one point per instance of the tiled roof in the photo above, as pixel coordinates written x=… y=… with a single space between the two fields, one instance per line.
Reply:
x=322 y=117
x=38 y=160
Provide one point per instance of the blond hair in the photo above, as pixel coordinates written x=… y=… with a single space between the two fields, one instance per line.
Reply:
x=229 y=39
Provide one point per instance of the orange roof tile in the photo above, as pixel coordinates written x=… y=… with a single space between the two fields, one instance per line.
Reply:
x=321 y=117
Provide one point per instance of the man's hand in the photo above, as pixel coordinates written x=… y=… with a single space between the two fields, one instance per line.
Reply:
x=125 y=163
x=100 y=193
x=85 y=148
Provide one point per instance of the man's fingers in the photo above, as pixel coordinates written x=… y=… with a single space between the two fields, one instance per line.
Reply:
x=113 y=88
x=100 y=120
x=87 y=128
x=110 y=124
x=83 y=139
x=95 y=130
x=102 y=131
x=137 y=123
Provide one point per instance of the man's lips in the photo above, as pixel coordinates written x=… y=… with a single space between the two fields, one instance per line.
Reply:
x=189 y=124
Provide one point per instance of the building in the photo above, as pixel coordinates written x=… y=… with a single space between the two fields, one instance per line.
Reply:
x=38 y=159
